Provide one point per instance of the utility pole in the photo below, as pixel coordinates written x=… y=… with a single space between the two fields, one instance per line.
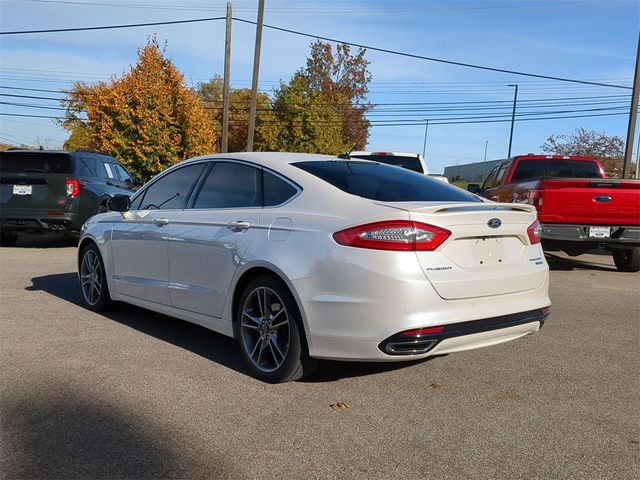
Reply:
x=225 y=85
x=484 y=161
x=424 y=144
x=254 y=83
x=513 y=117
x=633 y=115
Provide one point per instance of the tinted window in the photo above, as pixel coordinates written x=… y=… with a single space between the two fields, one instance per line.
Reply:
x=108 y=170
x=556 y=168
x=500 y=175
x=230 y=185
x=172 y=190
x=491 y=178
x=27 y=162
x=276 y=190
x=86 y=166
x=410 y=163
x=122 y=173
x=385 y=183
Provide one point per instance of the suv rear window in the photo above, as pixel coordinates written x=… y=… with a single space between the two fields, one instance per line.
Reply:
x=377 y=181
x=27 y=162
x=410 y=163
x=556 y=169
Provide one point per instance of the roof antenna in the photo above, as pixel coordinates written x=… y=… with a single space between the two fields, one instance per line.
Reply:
x=347 y=155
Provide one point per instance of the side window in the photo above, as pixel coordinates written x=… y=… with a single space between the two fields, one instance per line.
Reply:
x=231 y=185
x=501 y=173
x=276 y=190
x=122 y=172
x=489 y=181
x=172 y=190
x=85 y=166
x=108 y=170
x=135 y=205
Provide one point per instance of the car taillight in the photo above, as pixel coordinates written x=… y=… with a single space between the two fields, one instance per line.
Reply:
x=534 y=232
x=73 y=187
x=397 y=235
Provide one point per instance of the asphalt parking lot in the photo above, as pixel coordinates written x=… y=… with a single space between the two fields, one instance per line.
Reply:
x=133 y=394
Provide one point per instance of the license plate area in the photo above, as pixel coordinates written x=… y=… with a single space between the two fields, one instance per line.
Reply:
x=599 y=232
x=22 y=189
x=485 y=251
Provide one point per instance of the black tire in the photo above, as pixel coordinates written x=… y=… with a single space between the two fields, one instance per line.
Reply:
x=8 y=239
x=93 y=280
x=270 y=332
x=627 y=259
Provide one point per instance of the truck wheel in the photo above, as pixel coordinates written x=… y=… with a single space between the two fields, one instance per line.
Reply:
x=627 y=259
x=8 y=239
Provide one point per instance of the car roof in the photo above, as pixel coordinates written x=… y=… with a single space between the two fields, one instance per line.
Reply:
x=56 y=152
x=380 y=152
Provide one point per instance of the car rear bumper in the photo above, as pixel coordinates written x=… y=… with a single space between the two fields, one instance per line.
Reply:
x=39 y=221
x=620 y=234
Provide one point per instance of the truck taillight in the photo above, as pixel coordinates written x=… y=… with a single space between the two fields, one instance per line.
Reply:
x=73 y=187
x=398 y=235
x=535 y=198
x=534 y=232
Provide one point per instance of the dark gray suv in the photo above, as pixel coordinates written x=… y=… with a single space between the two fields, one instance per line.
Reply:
x=56 y=190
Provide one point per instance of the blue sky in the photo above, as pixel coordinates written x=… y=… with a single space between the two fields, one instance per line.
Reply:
x=582 y=39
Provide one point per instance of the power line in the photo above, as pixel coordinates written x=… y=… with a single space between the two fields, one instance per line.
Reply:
x=328 y=39
x=111 y=27
x=433 y=59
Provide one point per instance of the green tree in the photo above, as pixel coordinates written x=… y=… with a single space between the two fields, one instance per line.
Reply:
x=609 y=149
x=147 y=117
x=210 y=93
x=343 y=79
x=306 y=123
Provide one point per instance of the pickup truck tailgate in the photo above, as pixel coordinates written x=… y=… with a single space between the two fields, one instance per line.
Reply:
x=590 y=202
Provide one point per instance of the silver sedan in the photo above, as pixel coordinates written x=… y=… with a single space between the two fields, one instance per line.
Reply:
x=304 y=257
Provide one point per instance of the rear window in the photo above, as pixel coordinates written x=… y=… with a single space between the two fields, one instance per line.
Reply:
x=410 y=163
x=377 y=181
x=527 y=169
x=27 y=162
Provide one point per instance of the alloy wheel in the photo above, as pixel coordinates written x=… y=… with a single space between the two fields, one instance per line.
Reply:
x=91 y=277
x=265 y=329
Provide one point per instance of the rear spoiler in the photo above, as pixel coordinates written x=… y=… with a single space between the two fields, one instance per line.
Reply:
x=487 y=207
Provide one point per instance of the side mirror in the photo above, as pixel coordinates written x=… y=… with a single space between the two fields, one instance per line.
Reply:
x=473 y=188
x=137 y=182
x=119 y=203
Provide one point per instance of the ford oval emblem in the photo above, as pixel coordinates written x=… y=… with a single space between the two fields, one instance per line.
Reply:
x=602 y=198
x=494 y=223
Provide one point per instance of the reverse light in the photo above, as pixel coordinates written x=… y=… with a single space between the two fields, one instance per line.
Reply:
x=534 y=232
x=400 y=235
x=73 y=187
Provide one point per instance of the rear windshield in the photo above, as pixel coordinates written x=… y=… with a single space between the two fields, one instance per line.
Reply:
x=410 y=163
x=384 y=183
x=556 y=169
x=35 y=162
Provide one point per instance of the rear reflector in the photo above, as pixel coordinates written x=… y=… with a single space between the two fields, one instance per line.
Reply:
x=398 y=235
x=534 y=232
x=422 y=331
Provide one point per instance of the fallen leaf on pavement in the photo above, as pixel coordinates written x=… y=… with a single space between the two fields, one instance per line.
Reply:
x=339 y=406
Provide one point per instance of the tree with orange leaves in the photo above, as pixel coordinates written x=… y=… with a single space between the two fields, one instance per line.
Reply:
x=147 y=118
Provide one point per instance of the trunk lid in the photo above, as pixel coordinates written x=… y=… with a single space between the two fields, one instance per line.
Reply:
x=34 y=180
x=590 y=202
x=478 y=260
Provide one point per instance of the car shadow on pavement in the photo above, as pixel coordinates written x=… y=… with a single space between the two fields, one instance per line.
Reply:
x=194 y=338
x=57 y=431
x=560 y=263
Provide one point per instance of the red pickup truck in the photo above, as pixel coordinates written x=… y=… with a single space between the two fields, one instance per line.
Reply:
x=579 y=208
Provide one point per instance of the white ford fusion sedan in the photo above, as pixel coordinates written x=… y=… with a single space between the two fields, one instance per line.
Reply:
x=303 y=257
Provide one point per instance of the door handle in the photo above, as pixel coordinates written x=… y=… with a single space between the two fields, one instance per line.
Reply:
x=239 y=226
x=160 y=222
